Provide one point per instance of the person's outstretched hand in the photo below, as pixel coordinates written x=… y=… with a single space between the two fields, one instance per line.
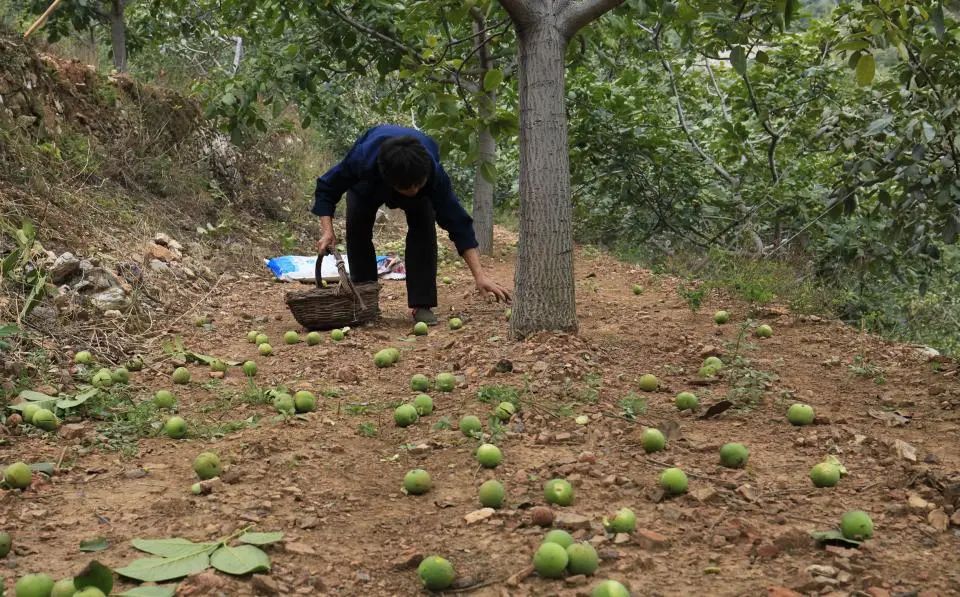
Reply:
x=487 y=285
x=327 y=240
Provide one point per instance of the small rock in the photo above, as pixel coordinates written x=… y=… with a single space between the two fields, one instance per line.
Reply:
x=515 y=579
x=478 y=515
x=112 y=314
x=420 y=449
x=818 y=570
x=158 y=266
x=72 y=430
x=651 y=540
x=844 y=577
x=231 y=475
x=204 y=583
x=704 y=493
x=407 y=561
x=577 y=580
x=768 y=551
x=65 y=266
x=111 y=299
x=938 y=520
x=955 y=519
x=621 y=538
x=264 y=585
x=571 y=521
x=917 y=503
x=161 y=253
x=782 y=592
x=877 y=592
x=299 y=548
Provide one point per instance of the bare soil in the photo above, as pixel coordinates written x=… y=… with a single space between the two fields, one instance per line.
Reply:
x=349 y=530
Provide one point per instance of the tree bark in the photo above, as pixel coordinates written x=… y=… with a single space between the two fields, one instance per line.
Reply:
x=482 y=188
x=545 y=298
x=118 y=35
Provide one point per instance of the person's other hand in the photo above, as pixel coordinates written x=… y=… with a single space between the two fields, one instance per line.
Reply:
x=486 y=285
x=327 y=240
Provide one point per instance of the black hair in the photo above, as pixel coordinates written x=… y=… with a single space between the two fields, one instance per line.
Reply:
x=404 y=162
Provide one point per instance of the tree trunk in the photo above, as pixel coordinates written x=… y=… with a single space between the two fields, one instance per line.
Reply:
x=545 y=298
x=118 y=35
x=482 y=188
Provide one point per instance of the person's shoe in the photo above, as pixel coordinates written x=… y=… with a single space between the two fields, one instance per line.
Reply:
x=424 y=315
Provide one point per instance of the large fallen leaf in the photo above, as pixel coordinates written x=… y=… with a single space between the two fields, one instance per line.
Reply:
x=96 y=544
x=77 y=400
x=172 y=548
x=833 y=536
x=206 y=359
x=96 y=575
x=47 y=404
x=35 y=396
x=261 y=538
x=151 y=591
x=243 y=559
x=161 y=569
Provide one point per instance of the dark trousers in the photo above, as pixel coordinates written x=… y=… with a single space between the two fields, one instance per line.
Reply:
x=421 y=250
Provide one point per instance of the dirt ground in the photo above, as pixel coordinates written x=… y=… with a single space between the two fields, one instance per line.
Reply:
x=349 y=530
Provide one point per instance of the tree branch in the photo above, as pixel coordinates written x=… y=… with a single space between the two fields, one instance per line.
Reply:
x=578 y=14
x=381 y=36
x=519 y=11
x=683 y=119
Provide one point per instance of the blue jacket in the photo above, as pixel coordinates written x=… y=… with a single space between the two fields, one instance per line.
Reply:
x=359 y=167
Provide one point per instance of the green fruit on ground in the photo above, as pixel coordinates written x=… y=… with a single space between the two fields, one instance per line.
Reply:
x=314 y=338
x=550 y=560
x=33 y=585
x=291 y=337
x=46 y=420
x=394 y=354
x=283 y=403
x=625 y=521
x=265 y=349
x=252 y=336
x=419 y=383
x=560 y=537
x=610 y=588
x=505 y=411
x=800 y=414
x=856 y=525
x=83 y=357
x=175 y=428
x=447 y=280
x=64 y=588
x=249 y=368
x=382 y=359
x=708 y=371
x=489 y=456
x=764 y=331
x=5 y=543
x=713 y=362
x=135 y=364
x=721 y=317
x=120 y=375
x=102 y=379
x=436 y=573
x=207 y=465
x=164 y=399
x=825 y=475
x=336 y=335
x=424 y=404
x=29 y=410
x=558 y=491
x=90 y=592
x=304 y=402
x=674 y=481
x=652 y=440
x=196 y=489
x=455 y=323
x=446 y=382
x=420 y=329
x=470 y=426
x=491 y=494
x=417 y=482
x=261 y=339
x=405 y=415
x=637 y=289
x=218 y=365
x=734 y=455
x=582 y=558
x=648 y=382
x=687 y=401
x=181 y=375
x=18 y=475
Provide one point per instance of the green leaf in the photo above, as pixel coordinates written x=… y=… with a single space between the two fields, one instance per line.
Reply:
x=261 y=538
x=48 y=404
x=738 y=59
x=866 y=69
x=161 y=569
x=96 y=544
x=77 y=400
x=788 y=12
x=492 y=80
x=35 y=396
x=95 y=575
x=151 y=591
x=488 y=170
x=172 y=548
x=43 y=467
x=8 y=330
x=831 y=536
x=244 y=559
x=937 y=17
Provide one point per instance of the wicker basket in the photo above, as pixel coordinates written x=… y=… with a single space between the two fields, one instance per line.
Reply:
x=335 y=306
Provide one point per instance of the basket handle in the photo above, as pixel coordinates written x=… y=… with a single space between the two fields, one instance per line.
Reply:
x=342 y=271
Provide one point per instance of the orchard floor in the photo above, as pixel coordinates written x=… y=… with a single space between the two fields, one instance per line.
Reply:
x=349 y=530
